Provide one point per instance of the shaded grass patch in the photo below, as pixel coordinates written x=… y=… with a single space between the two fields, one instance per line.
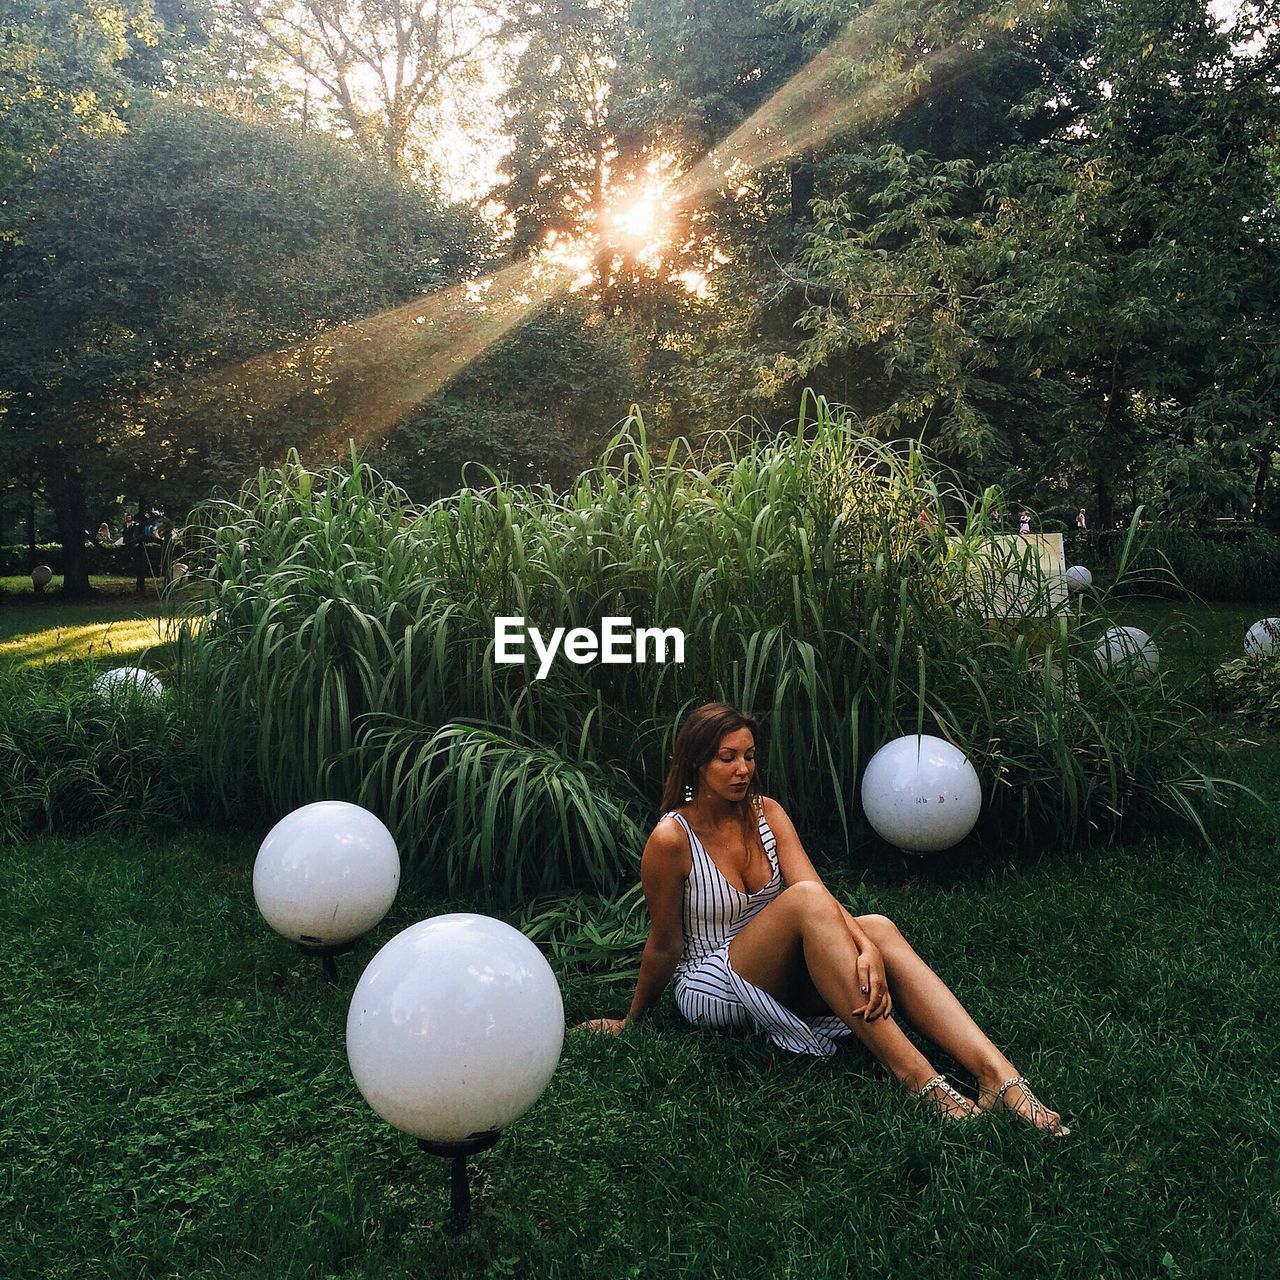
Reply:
x=180 y=1101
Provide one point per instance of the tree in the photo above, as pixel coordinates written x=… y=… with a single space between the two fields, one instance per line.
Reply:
x=1072 y=303
x=538 y=407
x=557 y=175
x=385 y=68
x=64 y=74
x=174 y=253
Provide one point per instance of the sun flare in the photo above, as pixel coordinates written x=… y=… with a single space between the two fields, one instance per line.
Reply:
x=638 y=220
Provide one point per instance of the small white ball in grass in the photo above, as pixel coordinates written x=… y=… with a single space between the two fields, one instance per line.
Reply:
x=128 y=680
x=1262 y=638
x=1128 y=648
x=921 y=794
x=326 y=873
x=1078 y=578
x=42 y=575
x=455 y=1028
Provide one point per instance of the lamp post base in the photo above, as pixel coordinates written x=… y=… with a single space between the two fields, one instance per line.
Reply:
x=459 y=1186
x=327 y=954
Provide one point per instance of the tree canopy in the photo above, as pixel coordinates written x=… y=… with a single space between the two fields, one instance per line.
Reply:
x=1040 y=238
x=188 y=245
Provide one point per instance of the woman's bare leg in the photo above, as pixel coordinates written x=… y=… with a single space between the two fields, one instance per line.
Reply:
x=798 y=948
x=929 y=1005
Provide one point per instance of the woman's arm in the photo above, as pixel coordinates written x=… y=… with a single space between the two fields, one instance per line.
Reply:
x=664 y=866
x=795 y=866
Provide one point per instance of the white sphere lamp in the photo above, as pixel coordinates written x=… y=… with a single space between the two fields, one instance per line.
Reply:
x=1130 y=649
x=1078 y=578
x=326 y=874
x=1262 y=638
x=454 y=1030
x=921 y=794
x=129 y=681
x=41 y=576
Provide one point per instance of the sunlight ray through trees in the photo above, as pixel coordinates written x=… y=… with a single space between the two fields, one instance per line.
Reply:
x=375 y=371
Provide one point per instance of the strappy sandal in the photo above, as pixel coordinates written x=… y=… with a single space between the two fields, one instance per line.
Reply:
x=968 y=1110
x=1057 y=1129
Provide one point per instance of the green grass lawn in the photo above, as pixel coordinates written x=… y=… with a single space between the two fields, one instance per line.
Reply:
x=178 y=1101
x=1192 y=636
x=118 y=624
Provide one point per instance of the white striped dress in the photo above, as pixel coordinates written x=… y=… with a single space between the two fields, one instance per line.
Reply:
x=707 y=991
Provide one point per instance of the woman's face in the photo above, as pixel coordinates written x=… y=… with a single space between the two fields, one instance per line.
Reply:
x=728 y=772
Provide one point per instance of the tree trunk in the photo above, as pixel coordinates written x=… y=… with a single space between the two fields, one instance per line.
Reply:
x=71 y=512
x=31 y=527
x=802 y=189
x=1260 y=485
x=1106 y=508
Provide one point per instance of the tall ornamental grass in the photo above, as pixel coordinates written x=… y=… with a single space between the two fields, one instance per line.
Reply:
x=73 y=759
x=835 y=585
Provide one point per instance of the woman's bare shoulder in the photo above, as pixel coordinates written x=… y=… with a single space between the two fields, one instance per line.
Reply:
x=668 y=842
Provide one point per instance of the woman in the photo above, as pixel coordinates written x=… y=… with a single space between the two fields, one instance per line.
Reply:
x=742 y=922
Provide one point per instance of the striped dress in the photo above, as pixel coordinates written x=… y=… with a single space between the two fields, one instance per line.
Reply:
x=707 y=991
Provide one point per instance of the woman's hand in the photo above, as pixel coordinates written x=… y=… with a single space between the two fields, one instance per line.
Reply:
x=608 y=1026
x=873 y=984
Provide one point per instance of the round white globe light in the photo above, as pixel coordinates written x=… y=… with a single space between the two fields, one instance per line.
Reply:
x=1129 y=648
x=455 y=1028
x=1078 y=577
x=326 y=873
x=921 y=794
x=1262 y=638
x=42 y=575
x=132 y=680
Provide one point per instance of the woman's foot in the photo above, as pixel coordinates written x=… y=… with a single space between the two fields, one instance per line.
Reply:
x=1015 y=1095
x=945 y=1100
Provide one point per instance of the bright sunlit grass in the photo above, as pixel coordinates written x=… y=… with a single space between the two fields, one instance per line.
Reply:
x=103 y=640
x=119 y=625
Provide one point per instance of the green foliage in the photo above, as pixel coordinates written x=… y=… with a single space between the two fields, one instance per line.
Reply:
x=509 y=819
x=349 y=636
x=1249 y=689
x=15 y=560
x=74 y=760
x=179 y=1101
x=587 y=934
x=63 y=74
x=1241 y=565
x=1052 y=292
x=540 y=405
x=174 y=254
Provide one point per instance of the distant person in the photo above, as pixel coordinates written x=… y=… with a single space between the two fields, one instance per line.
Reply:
x=104 y=533
x=1081 y=522
x=1024 y=522
x=132 y=531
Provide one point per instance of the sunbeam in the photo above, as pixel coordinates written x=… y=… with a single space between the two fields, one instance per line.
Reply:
x=358 y=380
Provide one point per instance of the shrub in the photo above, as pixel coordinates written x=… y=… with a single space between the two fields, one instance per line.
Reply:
x=1237 y=564
x=349 y=642
x=120 y=562
x=1250 y=689
x=72 y=760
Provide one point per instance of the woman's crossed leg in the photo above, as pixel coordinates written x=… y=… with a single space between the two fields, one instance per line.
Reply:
x=801 y=950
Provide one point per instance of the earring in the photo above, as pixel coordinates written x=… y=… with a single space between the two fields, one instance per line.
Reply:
x=688 y=793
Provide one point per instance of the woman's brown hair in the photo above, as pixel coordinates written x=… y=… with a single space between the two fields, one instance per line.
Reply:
x=697 y=743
